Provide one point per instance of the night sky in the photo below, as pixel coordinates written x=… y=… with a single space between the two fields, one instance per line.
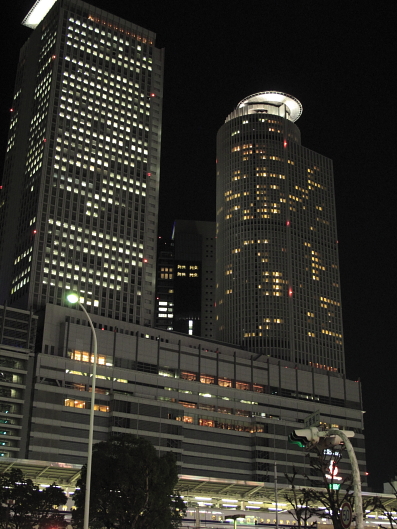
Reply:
x=336 y=58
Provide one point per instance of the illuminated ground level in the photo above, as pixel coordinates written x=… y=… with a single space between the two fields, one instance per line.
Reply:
x=209 y=500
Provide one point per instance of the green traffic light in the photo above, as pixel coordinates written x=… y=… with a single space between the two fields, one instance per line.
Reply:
x=296 y=441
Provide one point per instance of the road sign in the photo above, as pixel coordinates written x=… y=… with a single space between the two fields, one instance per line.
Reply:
x=346 y=515
x=313 y=419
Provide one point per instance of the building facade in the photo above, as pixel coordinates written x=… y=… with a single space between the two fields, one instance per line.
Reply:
x=185 y=289
x=165 y=284
x=79 y=203
x=278 y=290
x=225 y=412
x=194 y=284
x=17 y=343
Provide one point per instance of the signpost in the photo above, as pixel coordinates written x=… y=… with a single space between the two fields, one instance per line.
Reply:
x=346 y=515
x=313 y=419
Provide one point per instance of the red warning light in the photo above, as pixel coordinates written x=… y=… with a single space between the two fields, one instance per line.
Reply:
x=53 y=57
x=34 y=232
x=290 y=292
x=149 y=174
x=287 y=223
x=145 y=260
x=285 y=143
x=45 y=140
x=11 y=110
x=152 y=94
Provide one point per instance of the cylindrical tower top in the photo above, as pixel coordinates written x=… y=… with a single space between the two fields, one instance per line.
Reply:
x=270 y=102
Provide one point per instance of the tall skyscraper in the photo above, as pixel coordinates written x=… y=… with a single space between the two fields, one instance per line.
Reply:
x=79 y=202
x=278 y=289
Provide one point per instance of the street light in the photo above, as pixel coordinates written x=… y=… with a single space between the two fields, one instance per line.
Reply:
x=74 y=299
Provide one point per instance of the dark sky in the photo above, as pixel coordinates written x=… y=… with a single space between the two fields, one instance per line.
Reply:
x=337 y=59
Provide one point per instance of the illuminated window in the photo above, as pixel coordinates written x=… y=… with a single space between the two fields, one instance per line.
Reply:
x=225 y=382
x=84 y=356
x=243 y=385
x=185 y=418
x=187 y=404
x=188 y=376
x=72 y=403
x=101 y=407
x=207 y=379
x=207 y=422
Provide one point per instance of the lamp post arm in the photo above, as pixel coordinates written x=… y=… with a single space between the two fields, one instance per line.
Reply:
x=91 y=424
x=358 y=503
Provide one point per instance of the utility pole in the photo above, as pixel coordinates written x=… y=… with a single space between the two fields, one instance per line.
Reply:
x=275 y=492
x=309 y=437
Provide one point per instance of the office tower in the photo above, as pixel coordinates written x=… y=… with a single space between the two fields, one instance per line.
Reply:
x=194 y=283
x=185 y=291
x=80 y=194
x=165 y=284
x=278 y=290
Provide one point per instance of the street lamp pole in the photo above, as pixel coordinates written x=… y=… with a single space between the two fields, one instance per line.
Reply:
x=358 y=501
x=74 y=298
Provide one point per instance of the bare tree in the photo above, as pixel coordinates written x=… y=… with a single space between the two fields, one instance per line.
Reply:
x=334 y=491
x=300 y=500
x=387 y=510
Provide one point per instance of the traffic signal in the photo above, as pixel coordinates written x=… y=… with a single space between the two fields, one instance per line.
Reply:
x=333 y=440
x=310 y=436
x=304 y=437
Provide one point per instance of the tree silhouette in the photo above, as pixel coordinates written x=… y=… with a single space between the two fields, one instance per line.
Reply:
x=24 y=506
x=131 y=487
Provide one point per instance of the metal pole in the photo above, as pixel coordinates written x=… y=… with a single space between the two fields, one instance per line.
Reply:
x=91 y=426
x=275 y=492
x=358 y=502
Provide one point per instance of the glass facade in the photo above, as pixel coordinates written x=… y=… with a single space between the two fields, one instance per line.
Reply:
x=278 y=288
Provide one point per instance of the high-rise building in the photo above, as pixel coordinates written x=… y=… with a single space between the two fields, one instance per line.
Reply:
x=194 y=282
x=185 y=291
x=165 y=285
x=79 y=203
x=278 y=290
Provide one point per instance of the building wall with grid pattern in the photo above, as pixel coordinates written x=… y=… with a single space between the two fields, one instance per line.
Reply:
x=278 y=289
x=81 y=181
x=209 y=403
x=17 y=342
